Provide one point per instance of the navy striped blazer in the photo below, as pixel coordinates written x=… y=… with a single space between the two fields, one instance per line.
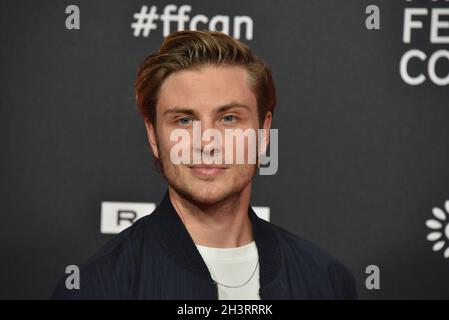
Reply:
x=156 y=258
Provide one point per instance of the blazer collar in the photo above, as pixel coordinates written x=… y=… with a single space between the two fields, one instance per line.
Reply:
x=177 y=242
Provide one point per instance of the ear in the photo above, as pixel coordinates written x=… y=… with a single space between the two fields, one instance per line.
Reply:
x=266 y=133
x=151 y=132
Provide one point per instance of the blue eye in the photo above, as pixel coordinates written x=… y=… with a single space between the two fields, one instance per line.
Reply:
x=229 y=118
x=185 y=121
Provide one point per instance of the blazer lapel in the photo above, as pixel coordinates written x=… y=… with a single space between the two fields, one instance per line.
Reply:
x=177 y=243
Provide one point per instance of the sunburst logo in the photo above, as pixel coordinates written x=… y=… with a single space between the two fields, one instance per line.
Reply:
x=439 y=227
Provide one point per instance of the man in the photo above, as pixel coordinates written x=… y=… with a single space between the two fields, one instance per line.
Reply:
x=204 y=241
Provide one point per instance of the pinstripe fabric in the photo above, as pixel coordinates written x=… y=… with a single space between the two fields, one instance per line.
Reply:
x=156 y=258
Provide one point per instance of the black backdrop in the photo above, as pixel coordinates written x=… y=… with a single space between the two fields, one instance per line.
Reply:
x=363 y=156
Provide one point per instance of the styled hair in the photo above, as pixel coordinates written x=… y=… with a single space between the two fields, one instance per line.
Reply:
x=189 y=50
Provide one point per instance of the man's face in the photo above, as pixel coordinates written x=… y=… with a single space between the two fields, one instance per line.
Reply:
x=219 y=98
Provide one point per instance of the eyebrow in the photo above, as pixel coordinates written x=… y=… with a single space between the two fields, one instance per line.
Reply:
x=220 y=109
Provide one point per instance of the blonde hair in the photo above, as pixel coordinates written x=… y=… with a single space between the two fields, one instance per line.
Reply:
x=185 y=50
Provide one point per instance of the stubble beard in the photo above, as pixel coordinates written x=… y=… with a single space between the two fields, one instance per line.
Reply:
x=205 y=193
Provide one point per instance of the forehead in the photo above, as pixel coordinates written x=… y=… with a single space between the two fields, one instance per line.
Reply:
x=206 y=87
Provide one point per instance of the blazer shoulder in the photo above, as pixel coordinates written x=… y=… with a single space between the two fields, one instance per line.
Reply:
x=108 y=273
x=318 y=262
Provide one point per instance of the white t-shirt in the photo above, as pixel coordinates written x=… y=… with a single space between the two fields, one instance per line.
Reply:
x=233 y=267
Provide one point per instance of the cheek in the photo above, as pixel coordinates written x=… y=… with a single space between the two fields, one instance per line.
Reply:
x=242 y=150
x=242 y=171
x=164 y=139
x=180 y=147
x=161 y=146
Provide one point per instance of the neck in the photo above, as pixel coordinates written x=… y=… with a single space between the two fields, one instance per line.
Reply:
x=222 y=225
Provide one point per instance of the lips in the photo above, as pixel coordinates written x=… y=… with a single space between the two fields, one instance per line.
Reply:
x=207 y=170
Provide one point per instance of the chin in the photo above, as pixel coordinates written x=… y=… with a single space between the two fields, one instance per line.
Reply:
x=203 y=193
x=206 y=193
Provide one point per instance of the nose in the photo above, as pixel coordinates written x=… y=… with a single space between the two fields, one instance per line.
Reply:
x=207 y=138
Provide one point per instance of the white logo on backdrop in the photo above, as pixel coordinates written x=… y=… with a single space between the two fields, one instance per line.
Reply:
x=439 y=227
x=117 y=216
x=432 y=22
x=147 y=19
